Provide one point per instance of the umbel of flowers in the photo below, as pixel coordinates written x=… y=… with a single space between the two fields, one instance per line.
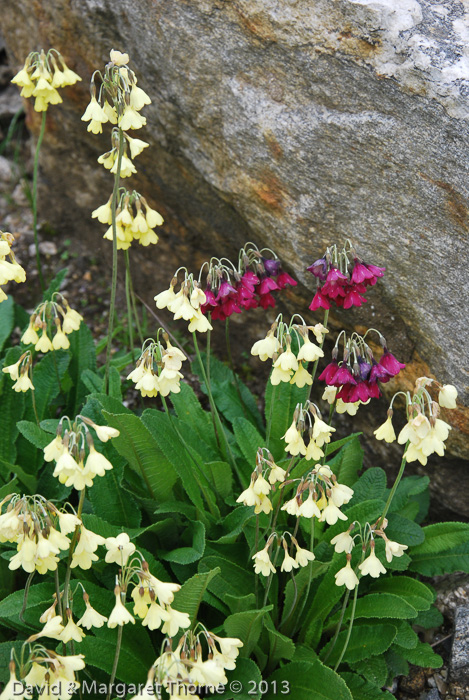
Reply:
x=157 y=370
x=288 y=365
x=265 y=475
x=342 y=278
x=198 y=662
x=369 y=565
x=227 y=288
x=41 y=75
x=356 y=377
x=77 y=462
x=10 y=269
x=116 y=98
x=424 y=433
x=135 y=219
x=308 y=433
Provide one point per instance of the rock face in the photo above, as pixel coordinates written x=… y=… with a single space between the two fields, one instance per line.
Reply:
x=293 y=123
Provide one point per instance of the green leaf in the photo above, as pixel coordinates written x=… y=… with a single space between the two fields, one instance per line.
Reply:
x=280 y=404
x=248 y=438
x=11 y=486
x=415 y=592
x=12 y=411
x=247 y=677
x=55 y=285
x=112 y=501
x=7 y=470
x=302 y=578
x=406 y=637
x=429 y=619
x=83 y=357
x=397 y=665
x=32 y=432
x=374 y=670
x=409 y=487
x=280 y=646
x=188 y=555
x=379 y=605
x=138 y=446
x=347 y=462
x=226 y=395
x=301 y=680
x=39 y=598
x=442 y=536
x=7 y=320
x=189 y=410
x=92 y=381
x=172 y=447
x=238 y=603
x=421 y=655
x=191 y=593
x=235 y=522
x=404 y=531
x=362 y=689
x=100 y=653
x=45 y=381
x=246 y=626
x=365 y=641
x=115 y=384
x=371 y=485
x=232 y=579
x=221 y=475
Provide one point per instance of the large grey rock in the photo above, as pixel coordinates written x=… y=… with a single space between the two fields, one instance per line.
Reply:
x=296 y=123
x=459 y=663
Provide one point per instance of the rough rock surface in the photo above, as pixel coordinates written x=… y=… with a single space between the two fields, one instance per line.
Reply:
x=459 y=668
x=294 y=123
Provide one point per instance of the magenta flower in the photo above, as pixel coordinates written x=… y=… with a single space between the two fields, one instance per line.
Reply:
x=284 y=279
x=319 y=268
x=343 y=376
x=319 y=301
x=329 y=372
x=272 y=267
x=389 y=362
x=225 y=289
x=266 y=300
x=267 y=285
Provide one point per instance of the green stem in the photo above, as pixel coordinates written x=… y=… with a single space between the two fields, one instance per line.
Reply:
x=57 y=591
x=33 y=399
x=338 y=626
x=115 y=195
x=315 y=366
x=132 y=299
x=280 y=499
x=116 y=660
x=226 y=448
x=34 y=199
x=310 y=577
x=269 y=418
x=270 y=578
x=209 y=336
x=70 y=555
x=56 y=370
x=295 y=599
x=26 y=593
x=256 y=548
x=129 y=305
x=231 y=364
x=349 y=631
x=396 y=484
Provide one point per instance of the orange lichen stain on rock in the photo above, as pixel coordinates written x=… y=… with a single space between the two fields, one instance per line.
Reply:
x=270 y=190
x=358 y=46
x=256 y=24
x=455 y=202
x=273 y=144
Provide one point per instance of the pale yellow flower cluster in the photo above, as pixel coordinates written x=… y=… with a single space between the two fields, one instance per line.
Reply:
x=257 y=493
x=184 y=669
x=55 y=320
x=424 y=431
x=185 y=303
x=288 y=366
x=158 y=369
x=264 y=566
x=51 y=674
x=40 y=77
x=38 y=529
x=325 y=496
x=131 y=224
x=74 y=465
x=318 y=433
x=371 y=565
x=10 y=270
x=152 y=603
x=19 y=372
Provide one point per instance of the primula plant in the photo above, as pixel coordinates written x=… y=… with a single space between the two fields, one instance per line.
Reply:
x=192 y=545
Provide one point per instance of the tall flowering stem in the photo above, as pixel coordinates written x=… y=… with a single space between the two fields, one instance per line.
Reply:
x=129 y=304
x=219 y=427
x=34 y=198
x=70 y=554
x=315 y=365
x=120 y=630
x=395 y=485
x=112 y=308
x=350 y=627
x=231 y=364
